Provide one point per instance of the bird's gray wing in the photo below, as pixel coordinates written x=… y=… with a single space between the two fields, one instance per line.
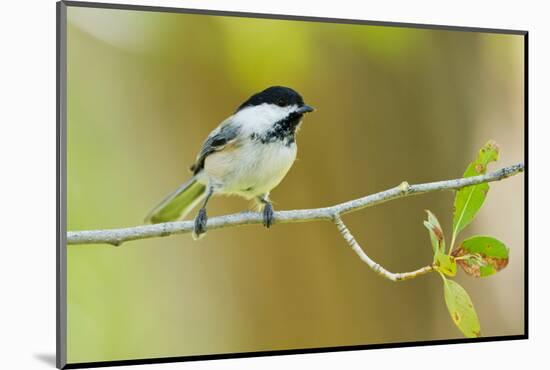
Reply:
x=226 y=133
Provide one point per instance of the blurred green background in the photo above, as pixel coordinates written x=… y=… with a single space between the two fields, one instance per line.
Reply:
x=393 y=104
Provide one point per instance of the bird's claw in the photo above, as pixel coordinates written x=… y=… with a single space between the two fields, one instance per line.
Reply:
x=200 y=224
x=268 y=215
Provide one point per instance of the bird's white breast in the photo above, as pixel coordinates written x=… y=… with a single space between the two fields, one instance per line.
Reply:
x=252 y=169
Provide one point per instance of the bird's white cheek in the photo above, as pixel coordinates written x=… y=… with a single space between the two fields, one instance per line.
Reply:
x=261 y=118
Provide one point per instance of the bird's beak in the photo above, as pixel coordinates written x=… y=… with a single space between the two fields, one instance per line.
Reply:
x=305 y=109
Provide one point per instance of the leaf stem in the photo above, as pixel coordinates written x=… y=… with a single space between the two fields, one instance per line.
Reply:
x=453 y=239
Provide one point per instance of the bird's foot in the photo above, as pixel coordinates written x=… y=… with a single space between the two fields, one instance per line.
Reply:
x=268 y=215
x=199 y=229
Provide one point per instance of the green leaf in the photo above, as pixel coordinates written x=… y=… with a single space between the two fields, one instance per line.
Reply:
x=445 y=264
x=469 y=200
x=481 y=256
x=436 y=233
x=485 y=245
x=461 y=309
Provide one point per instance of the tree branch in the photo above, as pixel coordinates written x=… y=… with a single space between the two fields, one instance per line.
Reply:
x=118 y=236
x=346 y=234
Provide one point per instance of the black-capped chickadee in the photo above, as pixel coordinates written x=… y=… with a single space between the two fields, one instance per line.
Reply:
x=248 y=155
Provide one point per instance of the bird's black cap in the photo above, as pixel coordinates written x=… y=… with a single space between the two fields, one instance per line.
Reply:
x=278 y=95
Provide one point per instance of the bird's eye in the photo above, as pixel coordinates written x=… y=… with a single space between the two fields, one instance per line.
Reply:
x=281 y=103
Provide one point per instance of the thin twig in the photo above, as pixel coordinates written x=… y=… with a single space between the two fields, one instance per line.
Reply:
x=346 y=234
x=118 y=236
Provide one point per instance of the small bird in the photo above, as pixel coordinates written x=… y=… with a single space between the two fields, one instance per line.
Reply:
x=248 y=155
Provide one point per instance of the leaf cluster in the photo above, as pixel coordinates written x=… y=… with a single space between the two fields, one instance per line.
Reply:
x=478 y=256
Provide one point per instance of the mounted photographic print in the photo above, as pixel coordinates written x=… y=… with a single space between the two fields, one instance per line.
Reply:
x=235 y=184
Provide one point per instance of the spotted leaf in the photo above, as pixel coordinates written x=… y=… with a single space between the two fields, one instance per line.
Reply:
x=436 y=233
x=461 y=309
x=481 y=256
x=469 y=200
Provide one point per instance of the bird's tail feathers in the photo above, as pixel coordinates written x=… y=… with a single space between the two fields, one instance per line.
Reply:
x=178 y=203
